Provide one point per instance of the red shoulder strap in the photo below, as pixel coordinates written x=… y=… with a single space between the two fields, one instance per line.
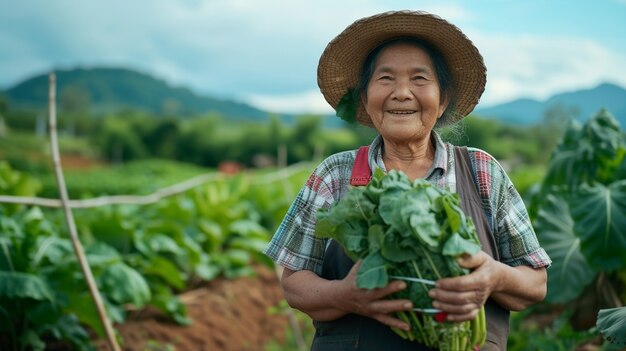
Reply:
x=361 y=172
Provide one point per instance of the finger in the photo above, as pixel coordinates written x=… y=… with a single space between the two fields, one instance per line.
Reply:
x=457 y=309
x=456 y=297
x=355 y=267
x=391 y=288
x=453 y=317
x=461 y=283
x=392 y=322
x=390 y=306
x=473 y=261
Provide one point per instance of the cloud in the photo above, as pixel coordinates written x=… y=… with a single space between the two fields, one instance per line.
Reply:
x=267 y=51
x=538 y=67
x=310 y=101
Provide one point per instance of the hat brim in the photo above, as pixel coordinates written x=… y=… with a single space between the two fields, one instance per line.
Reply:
x=341 y=62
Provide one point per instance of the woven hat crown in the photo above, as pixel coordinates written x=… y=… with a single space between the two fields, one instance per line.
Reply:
x=340 y=65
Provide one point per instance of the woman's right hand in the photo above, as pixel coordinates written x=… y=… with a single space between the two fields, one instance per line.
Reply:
x=328 y=300
x=372 y=303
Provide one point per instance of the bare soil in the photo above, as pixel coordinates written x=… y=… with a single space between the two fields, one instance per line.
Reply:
x=227 y=315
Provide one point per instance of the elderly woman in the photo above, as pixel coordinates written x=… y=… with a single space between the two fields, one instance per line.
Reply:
x=405 y=73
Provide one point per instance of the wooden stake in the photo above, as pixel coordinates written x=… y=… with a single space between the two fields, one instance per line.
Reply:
x=69 y=218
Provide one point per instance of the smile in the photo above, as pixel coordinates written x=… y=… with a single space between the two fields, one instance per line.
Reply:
x=402 y=112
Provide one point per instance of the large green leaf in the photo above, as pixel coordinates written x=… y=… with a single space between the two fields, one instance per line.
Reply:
x=123 y=284
x=612 y=325
x=569 y=273
x=599 y=213
x=16 y=285
x=81 y=304
x=373 y=272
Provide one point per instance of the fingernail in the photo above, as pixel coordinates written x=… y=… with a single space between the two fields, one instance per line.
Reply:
x=408 y=305
x=402 y=286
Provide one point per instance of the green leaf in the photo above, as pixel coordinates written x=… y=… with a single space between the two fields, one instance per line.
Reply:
x=31 y=340
x=347 y=106
x=456 y=246
x=123 y=285
x=372 y=273
x=18 y=285
x=67 y=327
x=249 y=244
x=375 y=237
x=395 y=249
x=599 y=213
x=207 y=271
x=212 y=232
x=454 y=213
x=109 y=226
x=100 y=253
x=569 y=273
x=166 y=270
x=612 y=325
x=426 y=228
x=236 y=257
x=248 y=228
x=171 y=305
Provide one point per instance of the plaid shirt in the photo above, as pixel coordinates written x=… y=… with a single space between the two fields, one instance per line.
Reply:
x=296 y=247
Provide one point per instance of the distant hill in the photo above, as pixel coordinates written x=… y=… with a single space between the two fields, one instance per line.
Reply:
x=107 y=90
x=588 y=102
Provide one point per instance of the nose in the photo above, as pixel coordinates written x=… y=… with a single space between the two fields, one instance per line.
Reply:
x=402 y=91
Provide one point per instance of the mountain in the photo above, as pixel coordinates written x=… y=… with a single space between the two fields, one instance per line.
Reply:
x=105 y=90
x=587 y=102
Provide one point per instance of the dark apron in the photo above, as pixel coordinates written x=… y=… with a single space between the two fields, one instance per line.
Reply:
x=356 y=332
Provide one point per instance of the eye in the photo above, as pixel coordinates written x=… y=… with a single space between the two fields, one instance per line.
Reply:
x=385 y=77
x=419 y=77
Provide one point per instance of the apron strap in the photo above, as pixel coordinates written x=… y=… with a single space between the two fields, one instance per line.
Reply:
x=361 y=173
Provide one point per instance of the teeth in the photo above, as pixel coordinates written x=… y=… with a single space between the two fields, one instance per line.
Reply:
x=402 y=112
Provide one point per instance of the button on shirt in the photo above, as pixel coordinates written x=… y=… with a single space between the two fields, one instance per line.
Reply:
x=296 y=247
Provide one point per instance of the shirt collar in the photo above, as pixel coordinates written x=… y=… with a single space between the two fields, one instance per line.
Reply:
x=440 y=163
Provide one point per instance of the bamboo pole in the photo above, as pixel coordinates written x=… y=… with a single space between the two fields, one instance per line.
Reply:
x=146 y=199
x=78 y=248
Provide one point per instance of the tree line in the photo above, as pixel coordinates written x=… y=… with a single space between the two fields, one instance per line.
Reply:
x=212 y=139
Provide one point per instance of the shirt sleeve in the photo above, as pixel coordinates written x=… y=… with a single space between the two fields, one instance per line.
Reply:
x=294 y=245
x=518 y=242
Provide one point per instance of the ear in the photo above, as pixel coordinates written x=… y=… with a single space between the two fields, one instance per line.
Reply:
x=363 y=97
x=443 y=104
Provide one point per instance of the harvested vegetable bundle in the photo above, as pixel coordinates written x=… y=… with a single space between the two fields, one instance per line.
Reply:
x=412 y=231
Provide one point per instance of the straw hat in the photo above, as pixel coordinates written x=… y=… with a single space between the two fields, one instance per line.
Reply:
x=341 y=62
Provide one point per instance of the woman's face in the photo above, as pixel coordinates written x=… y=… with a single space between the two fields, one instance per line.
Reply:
x=403 y=97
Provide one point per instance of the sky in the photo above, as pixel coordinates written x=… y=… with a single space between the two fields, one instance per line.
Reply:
x=265 y=53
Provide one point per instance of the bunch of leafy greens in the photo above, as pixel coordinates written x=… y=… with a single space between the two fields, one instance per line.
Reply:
x=407 y=229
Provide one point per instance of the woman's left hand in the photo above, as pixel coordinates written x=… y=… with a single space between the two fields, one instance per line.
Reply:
x=461 y=297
